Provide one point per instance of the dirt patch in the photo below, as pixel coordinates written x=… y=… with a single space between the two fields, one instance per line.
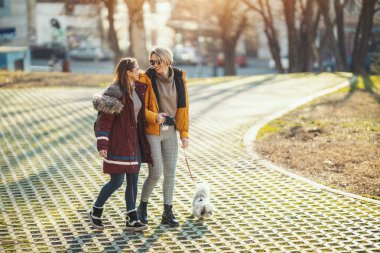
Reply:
x=334 y=140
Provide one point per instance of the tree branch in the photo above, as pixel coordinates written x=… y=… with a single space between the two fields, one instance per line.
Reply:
x=242 y=25
x=334 y=22
x=302 y=6
x=251 y=6
x=316 y=21
x=269 y=10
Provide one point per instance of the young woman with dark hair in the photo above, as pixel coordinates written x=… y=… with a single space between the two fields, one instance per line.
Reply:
x=121 y=139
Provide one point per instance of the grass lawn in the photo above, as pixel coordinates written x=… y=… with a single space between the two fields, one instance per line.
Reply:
x=17 y=79
x=334 y=140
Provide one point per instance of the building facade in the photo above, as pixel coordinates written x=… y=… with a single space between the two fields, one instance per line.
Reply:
x=14 y=23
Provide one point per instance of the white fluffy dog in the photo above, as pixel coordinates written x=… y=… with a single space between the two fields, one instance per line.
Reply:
x=202 y=207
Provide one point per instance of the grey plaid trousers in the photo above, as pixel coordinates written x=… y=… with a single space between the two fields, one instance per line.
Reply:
x=164 y=150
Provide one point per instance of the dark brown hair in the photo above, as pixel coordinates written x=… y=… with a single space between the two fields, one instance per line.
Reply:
x=121 y=76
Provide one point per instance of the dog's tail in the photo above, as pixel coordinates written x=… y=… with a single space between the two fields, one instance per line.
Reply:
x=204 y=186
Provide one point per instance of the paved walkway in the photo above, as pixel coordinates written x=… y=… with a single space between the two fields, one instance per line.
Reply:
x=50 y=175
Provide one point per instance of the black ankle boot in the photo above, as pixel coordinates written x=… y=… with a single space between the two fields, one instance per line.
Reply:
x=96 y=217
x=142 y=213
x=168 y=216
x=133 y=223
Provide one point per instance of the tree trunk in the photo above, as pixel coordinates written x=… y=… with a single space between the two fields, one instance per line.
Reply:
x=112 y=36
x=339 y=12
x=269 y=30
x=32 y=21
x=229 y=57
x=324 y=6
x=271 y=33
x=103 y=38
x=137 y=35
x=293 y=45
x=225 y=20
x=308 y=33
x=363 y=31
x=232 y=21
x=275 y=50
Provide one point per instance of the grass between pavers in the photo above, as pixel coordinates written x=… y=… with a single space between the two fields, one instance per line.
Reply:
x=19 y=79
x=194 y=233
x=334 y=140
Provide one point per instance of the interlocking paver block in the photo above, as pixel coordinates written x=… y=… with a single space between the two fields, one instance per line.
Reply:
x=50 y=176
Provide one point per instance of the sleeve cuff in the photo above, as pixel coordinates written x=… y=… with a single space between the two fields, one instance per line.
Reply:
x=102 y=144
x=184 y=134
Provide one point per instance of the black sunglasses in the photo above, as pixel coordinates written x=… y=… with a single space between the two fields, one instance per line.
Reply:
x=152 y=62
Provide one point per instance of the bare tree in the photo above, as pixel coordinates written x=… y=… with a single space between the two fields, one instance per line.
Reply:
x=310 y=18
x=362 y=34
x=270 y=31
x=302 y=50
x=112 y=35
x=137 y=35
x=339 y=13
x=301 y=46
x=293 y=35
x=222 y=20
x=32 y=20
x=136 y=30
x=98 y=7
x=232 y=20
x=329 y=26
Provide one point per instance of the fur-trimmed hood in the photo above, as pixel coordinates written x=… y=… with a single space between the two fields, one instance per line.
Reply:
x=108 y=100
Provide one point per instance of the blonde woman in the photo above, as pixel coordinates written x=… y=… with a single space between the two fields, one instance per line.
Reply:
x=167 y=111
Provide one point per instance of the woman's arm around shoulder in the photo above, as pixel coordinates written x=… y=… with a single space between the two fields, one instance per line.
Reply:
x=151 y=107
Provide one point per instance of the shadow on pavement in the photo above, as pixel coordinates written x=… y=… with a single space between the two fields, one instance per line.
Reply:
x=197 y=229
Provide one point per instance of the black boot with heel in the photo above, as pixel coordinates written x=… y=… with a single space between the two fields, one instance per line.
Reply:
x=133 y=223
x=168 y=216
x=142 y=212
x=96 y=217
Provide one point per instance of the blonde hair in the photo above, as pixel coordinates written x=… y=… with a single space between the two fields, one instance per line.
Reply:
x=164 y=54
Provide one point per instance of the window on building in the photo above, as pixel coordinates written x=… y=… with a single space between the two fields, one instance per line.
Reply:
x=5 y=9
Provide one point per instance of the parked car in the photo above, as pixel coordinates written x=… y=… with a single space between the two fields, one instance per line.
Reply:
x=90 y=54
x=240 y=60
x=185 y=55
x=48 y=50
x=329 y=65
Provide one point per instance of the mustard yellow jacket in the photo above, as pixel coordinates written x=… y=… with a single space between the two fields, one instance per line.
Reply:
x=152 y=109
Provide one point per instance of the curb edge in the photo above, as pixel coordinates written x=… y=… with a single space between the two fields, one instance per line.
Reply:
x=251 y=133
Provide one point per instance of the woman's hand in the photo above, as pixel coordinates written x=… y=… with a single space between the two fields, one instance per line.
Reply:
x=161 y=118
x=103 y=153
x=185 y=143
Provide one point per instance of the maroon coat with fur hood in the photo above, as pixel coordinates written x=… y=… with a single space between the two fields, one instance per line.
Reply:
x=117 y=132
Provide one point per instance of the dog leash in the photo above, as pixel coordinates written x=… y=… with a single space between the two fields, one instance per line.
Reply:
x=187 y=163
